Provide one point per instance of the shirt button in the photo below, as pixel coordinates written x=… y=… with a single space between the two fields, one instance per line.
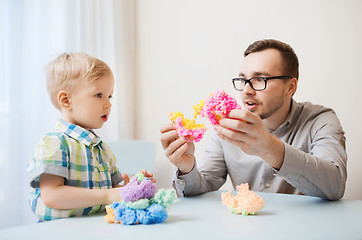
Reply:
x=267 y=185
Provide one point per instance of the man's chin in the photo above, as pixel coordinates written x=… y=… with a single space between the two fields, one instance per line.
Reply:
x=264 y=115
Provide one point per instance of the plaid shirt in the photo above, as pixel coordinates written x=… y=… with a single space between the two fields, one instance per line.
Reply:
x=80 y=157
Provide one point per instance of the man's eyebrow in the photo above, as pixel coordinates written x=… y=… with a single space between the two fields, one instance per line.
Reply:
x=256 y=74
x=261 y=74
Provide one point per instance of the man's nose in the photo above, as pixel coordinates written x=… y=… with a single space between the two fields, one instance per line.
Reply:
x=248 y=89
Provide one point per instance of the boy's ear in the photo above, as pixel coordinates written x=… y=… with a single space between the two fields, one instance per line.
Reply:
x=64 y=100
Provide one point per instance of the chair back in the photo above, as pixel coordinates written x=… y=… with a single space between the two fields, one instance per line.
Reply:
x=133 y=155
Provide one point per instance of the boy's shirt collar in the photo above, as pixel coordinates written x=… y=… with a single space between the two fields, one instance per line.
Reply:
x=78 y=133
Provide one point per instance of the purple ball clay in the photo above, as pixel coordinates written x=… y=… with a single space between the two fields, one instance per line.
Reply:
x=135 y=190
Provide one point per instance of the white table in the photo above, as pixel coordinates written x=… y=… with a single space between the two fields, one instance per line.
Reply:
x=204 y=217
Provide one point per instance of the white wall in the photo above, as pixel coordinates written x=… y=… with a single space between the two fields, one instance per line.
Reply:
x=187 y=49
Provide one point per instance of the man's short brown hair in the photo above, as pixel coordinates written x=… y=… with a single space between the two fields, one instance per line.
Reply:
x=290 y=59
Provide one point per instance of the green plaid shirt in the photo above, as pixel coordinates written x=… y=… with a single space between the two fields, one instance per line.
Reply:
x=80 y=157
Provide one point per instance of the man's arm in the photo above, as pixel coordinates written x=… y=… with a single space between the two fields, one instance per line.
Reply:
x=321 y=171
x=188 y=180
x=207 y=175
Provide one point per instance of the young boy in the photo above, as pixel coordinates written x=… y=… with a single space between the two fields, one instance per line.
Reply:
x=73 y=172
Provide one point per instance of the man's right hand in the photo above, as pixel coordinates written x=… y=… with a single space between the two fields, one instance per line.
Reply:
x=177 y=149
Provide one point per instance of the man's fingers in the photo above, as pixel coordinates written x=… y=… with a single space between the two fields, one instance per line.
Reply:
x=243 y=115
x=231 y=134
x=167 y=127
x=174 y=145
x=176 y=149
x=175 y=158
x=168 y=137
x=234 y=124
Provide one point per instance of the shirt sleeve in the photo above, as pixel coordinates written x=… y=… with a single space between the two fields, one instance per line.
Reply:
x=320 y=172
x=50 y=156
x=116 y=175
x=209 y=175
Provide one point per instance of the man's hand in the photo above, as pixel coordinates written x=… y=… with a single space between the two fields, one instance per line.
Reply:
x=177 y=149
x=247 y=131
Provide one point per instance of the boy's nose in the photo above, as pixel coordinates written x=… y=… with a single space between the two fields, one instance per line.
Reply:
x=108 y=104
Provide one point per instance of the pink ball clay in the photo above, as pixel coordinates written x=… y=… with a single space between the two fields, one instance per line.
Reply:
x=215 y=107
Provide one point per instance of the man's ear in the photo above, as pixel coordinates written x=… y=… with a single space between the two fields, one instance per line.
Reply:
x=293 y=83
x=64 y=100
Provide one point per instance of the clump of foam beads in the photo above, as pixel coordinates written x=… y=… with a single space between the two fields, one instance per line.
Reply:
x=246 y=202
x=141 y=204
x=215 y=107
x=187 y=128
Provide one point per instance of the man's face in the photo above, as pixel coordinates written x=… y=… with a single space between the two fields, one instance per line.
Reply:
x=265 y=103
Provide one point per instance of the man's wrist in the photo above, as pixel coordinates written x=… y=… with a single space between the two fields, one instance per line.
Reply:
x=275 y=154
x=184 y=172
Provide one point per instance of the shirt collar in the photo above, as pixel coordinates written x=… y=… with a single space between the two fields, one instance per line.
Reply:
x=78 y=133
x=290 y=116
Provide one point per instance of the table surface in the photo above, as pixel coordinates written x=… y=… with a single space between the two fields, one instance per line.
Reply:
x=283 y=217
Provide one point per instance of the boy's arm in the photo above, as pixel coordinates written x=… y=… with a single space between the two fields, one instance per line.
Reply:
x=59 y=196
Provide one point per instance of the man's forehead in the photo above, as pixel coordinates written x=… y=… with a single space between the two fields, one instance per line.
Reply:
x=264 y=63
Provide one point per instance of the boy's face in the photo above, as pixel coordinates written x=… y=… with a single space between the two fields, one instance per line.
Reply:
x=90 y=104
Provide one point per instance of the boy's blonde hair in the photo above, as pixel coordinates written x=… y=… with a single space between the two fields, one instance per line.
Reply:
x=67 y=70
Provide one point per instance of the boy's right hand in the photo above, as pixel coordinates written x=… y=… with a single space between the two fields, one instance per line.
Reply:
x=113 y=194
x=177 y=149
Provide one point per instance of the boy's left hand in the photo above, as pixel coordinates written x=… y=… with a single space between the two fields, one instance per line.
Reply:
x=125 y=179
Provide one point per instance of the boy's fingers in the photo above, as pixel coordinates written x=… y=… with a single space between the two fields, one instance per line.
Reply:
x=125 y=179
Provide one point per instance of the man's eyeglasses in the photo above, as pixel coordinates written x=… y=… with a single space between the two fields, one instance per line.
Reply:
x=256 y=83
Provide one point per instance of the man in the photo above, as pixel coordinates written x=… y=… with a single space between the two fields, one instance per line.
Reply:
x=275 y=143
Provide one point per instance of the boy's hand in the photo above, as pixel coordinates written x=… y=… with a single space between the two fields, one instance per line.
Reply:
x=149 y=175
x=113 y=195
x=125 y=179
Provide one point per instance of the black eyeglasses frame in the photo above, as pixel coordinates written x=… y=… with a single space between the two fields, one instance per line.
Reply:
x=251 y=85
